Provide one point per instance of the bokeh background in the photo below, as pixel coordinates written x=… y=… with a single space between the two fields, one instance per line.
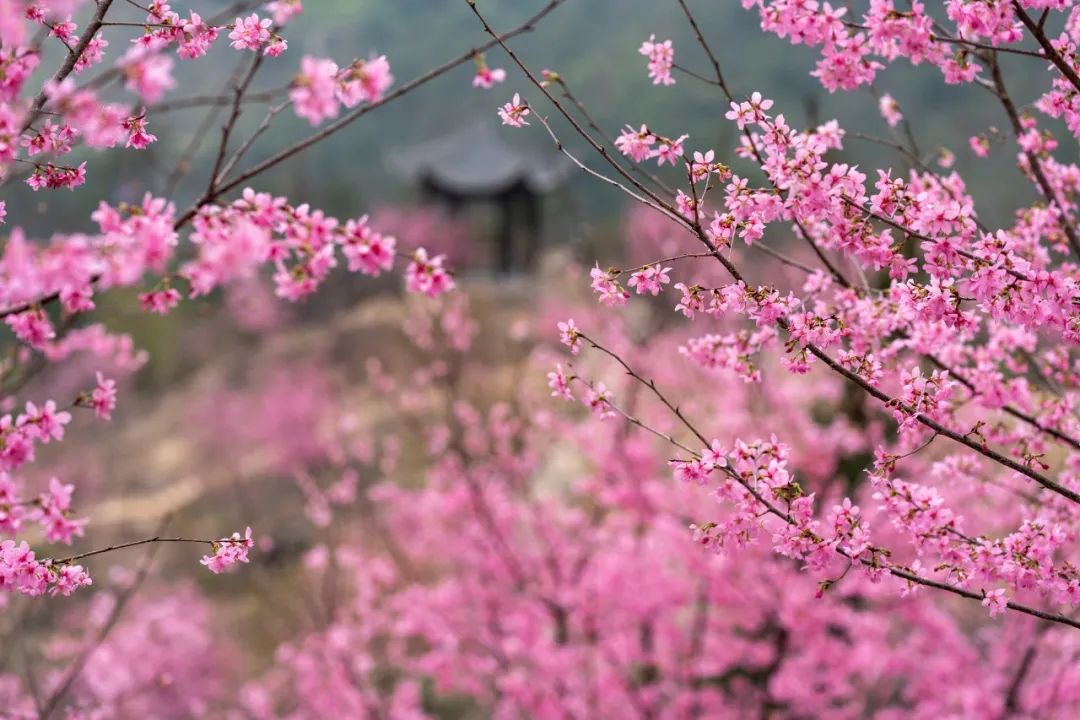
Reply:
x=243 y=395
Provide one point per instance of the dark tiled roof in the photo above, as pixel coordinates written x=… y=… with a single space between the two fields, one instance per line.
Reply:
x=477 y=159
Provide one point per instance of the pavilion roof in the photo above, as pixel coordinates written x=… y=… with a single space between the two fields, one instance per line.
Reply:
x=477 y=159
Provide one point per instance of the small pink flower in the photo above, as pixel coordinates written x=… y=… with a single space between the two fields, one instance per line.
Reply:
x=160 y=301
x=367 y=251
x=427 y=276
x=277 y=46
x=32 y=327
x=250 y=33
x=314 y=92
x=54 y=513
x=569 y=336
x=228 y=552
x=670 y=150
x=636 y=144
x=65 y=31
x=980 y=145
x=559 y=383
x=282 y=11
x=890 y=110
x=650 y=280
x=138 y=138
x=365 y=81
x=690 y=471
x=607 y=288
x=996 y=601
x=513 y=113
x=749 y=112
x=661 y=59
x=68 y=579
x=197 y=38
x=92 y=55
x=148 y=74
x=103 y=397
x=486 y=77
x=599 y=401
x=47 y=423
x=714 y=456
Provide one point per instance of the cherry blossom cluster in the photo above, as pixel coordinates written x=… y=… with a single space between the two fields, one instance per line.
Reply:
x=661 y=59
x=22 y=572
x=901 y=454
x=958 y=332
x=645 y=145
x=514 y=112
x=228 y=552
x=494 y=573
x=300 y=243
x=321 y=87
x=163 y=653
x=81 y=116
x=853 y=51
x=47 y=287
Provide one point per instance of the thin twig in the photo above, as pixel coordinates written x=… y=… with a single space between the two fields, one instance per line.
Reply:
x=73 y=57
x=136 y=543
x=1037 y=31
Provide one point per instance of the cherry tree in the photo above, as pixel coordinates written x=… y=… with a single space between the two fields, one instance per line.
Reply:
x=229 y=234
x=822 y=418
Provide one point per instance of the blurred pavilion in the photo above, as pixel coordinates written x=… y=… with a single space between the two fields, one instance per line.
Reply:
x=476 y=166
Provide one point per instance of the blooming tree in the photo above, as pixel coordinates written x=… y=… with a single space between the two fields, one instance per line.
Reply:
x=48 y=286
x=827 y=458
x=923 y=328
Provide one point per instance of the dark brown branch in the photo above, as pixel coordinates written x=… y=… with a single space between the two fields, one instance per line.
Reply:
x=1037 y=31
x=211 y=100
x=230 y=123
x=73 y=57
x=1033 y=160
x=1012 y=696
x=965 y=440
x=136 y=543
x=1008 y=409
x=651 y=385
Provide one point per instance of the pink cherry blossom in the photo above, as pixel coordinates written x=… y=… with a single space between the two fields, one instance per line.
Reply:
x=228 y=552
x=103 y=397
x=661 y=58
x=426 y=275
x=995 y=601
x=487 y=77
x=890 y=110
x=570 y=336
x=250 y=33
x=514 y=112
x=283 y=11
